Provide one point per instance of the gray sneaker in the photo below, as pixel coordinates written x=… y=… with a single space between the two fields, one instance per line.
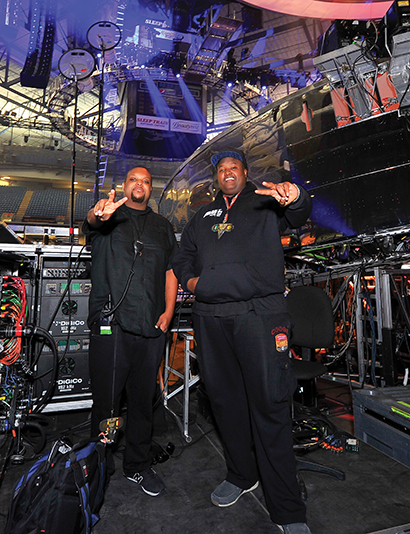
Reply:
x=295 y=528
x=227 y=494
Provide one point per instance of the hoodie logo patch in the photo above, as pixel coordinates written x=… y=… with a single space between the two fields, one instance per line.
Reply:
x=221 y=228
x=213 y=213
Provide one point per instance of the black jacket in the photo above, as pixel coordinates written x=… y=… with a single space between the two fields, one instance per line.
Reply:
x=247 y=261
x=112 y=260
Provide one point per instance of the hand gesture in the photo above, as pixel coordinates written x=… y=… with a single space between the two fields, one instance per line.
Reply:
x=285 y=192
x=106 y=206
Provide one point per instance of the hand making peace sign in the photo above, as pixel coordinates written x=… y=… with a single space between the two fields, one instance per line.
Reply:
x=106 y=206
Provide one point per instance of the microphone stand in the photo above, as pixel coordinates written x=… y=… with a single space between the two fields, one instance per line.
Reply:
x=100 y=127
x=75 y=65
x=73 y=158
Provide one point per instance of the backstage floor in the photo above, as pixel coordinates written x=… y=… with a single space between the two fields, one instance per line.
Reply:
x=375 y=496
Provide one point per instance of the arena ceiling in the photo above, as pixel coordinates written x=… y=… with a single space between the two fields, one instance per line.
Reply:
x=39 y=121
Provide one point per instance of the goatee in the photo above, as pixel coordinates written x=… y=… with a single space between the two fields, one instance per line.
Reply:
x=138 y=200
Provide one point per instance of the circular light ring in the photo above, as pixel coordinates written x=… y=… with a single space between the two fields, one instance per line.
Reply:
x=76 y=64
x=104 y=35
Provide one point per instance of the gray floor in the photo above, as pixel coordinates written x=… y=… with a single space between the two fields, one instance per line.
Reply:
x=375 y=497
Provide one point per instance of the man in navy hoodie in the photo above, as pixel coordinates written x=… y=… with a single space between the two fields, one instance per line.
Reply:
x=231 y=259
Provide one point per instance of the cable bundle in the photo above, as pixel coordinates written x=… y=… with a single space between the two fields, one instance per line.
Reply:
x=312 y=429
x=333 y=443
x=13 y=313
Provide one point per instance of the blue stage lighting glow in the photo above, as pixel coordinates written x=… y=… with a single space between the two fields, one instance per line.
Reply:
x=195 y=111
x=161 y=107
x=225 y=105
x=262 y=102
x=325 y=211
x=259 y=48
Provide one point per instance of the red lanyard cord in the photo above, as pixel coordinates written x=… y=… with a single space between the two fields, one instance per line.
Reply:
x=229 y=205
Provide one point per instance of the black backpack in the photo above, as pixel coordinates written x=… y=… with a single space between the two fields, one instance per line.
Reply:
x=61 y=493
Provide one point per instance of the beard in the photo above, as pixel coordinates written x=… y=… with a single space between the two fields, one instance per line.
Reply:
x=139 y=200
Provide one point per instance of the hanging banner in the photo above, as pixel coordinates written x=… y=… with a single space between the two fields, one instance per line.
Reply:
x=192 y=127
x=154 y=123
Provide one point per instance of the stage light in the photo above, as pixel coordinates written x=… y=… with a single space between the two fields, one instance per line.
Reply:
x=177 y=62
x=264 y=81
x=229 y=73
x=229 y=78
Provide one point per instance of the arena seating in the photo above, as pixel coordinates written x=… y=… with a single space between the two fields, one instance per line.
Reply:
x=48 y=205
x=83 y=202
x=11 y=198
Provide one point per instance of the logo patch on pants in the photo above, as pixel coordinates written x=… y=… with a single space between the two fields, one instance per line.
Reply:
x=281 y=341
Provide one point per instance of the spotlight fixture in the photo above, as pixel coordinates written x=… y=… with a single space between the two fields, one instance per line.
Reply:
x=229 y=78
x=229 y=73
x=177 y=63
x=264 y=81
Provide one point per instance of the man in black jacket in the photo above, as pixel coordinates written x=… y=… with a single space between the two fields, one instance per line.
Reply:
x=231 y=259
x=131 y=305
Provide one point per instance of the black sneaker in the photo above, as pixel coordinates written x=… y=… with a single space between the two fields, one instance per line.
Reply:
x=150 y=482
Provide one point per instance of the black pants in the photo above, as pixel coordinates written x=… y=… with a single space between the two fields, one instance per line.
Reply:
x=246 y=370
x=125 y=361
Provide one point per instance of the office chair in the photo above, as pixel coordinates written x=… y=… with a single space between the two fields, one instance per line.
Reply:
x=313 y=327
